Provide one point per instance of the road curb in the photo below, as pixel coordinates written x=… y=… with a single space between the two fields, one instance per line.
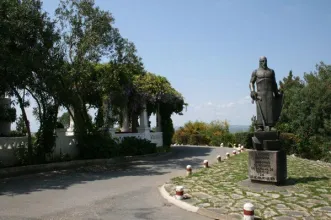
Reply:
x=39 y=168
x=188 y=207
x=176 y=202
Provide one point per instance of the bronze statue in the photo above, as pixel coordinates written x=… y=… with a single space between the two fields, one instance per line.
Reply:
x=267 y=96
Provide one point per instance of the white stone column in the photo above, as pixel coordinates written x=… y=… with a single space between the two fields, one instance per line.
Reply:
x=125 y=123
x=143 y=126
x=70 y=131
x=158 y=119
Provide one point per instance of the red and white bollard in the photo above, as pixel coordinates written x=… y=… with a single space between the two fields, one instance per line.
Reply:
x=179 y=192
x=205 y=164
x=248 y=211
x=227 y=155
x=219 y=158
x=234 y=152
x=188 y=170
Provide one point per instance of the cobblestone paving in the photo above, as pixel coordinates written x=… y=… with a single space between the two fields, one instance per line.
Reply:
x=216 y=188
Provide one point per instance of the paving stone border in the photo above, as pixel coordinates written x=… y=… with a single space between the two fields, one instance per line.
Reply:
x=32 y=169
x=219 y=190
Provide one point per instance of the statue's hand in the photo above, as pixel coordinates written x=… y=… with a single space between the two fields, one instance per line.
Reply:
x=253 y=95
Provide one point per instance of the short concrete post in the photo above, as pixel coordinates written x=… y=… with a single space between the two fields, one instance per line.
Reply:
x=221 y=145
x=205 y=164
x=219 y=158
x=248 y=211
x=188 y=170
x=179 y=192
x=234 y=152
x=227 y=155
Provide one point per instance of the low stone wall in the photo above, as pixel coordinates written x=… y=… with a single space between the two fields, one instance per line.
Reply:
x=65 y=144
x=7 y=149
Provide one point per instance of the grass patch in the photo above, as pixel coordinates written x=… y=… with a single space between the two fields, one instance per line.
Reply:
x=312 y=187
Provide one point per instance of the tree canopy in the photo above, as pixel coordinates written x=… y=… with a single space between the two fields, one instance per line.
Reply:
x=78 y=61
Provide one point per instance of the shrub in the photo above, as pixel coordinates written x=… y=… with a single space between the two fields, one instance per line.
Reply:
x=289 y=142
x=244 y=138
x=97 y=145
x=131 y=146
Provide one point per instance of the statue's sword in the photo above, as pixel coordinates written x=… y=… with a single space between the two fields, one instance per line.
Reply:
x=260 y=109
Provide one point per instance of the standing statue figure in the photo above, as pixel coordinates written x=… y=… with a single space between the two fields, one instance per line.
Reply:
x=267 y=97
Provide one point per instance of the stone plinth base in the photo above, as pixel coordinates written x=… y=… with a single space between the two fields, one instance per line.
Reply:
x=267 y=166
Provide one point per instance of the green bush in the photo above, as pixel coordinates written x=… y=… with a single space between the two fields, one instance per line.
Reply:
x=244 y=138
x=289 y=142
x=131 y=146
x=97 y=145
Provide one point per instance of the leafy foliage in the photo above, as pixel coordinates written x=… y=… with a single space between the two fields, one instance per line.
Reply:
x=57 y=63
x=131 y=146
x=201 y=133
x=307 y=113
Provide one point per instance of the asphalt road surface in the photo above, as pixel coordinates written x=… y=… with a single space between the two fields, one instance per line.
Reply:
x=127 y=193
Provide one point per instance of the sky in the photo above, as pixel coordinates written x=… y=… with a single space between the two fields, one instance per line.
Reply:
x=208 y=49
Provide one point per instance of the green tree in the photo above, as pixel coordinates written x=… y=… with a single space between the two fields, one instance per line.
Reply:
x=64 y=119
x=27 y=38
x=306 y=112
x=20 y=125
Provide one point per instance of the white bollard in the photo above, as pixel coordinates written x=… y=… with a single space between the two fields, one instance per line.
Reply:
x=248 y=211
x=179 y=192
x=227 y=155
x=219 y=158
x=188 y=170
x=221 y=144
x=205 y=163
x=234 y=152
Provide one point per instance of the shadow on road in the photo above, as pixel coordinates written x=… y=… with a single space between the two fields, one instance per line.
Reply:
x=63 y=179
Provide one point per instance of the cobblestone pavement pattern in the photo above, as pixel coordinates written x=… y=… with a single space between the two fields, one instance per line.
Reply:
x=217 y=189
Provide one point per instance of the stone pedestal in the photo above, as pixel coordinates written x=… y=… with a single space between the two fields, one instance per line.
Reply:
x=267 y=163
x=267 y=166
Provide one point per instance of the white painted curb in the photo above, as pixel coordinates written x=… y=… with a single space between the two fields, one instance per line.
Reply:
x=176 y=202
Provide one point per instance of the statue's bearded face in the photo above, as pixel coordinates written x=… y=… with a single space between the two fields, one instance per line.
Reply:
x=263 y=63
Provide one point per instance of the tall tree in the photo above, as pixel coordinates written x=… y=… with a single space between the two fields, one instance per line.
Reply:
x=26 y=40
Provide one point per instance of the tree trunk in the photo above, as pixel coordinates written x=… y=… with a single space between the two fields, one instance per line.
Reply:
x=134 y=122
x=27 y=124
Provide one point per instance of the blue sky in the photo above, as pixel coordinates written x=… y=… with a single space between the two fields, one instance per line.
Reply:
x=208 y=48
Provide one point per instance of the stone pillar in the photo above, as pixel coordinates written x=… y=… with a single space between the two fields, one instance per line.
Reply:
x=5 y=125
x=125 y=123
x=70 y=131
x=143 y=128
x=158 y=119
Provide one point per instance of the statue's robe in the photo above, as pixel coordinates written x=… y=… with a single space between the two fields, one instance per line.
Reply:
x=266 y=88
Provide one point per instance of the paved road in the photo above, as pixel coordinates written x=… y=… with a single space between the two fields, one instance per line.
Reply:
x=95 y=193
